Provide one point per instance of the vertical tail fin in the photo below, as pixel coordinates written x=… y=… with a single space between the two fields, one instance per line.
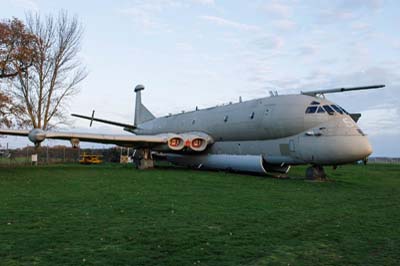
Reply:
x=142 y=114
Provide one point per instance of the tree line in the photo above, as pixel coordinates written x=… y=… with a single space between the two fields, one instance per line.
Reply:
x=40 y=69
x=58 y=154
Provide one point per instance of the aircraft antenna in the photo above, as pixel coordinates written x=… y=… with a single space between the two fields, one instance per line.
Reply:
x=322 y=92
x=91 y=120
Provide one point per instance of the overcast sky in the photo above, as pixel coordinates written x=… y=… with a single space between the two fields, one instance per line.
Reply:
x=207 y=52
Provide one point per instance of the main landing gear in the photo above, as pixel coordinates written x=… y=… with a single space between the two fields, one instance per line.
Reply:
x=316 y=172
x=143 y=159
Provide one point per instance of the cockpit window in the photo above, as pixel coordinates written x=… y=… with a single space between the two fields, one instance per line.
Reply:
x=329 y=110
x=311 y=109
x=337 y=109
x=344 y=111
x=315 y=107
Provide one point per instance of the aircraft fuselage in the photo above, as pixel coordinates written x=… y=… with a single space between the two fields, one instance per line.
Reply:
x=278 y=128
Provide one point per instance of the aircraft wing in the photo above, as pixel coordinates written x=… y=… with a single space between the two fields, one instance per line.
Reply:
x=14 y=132
x=38 y=135
x=121 y=140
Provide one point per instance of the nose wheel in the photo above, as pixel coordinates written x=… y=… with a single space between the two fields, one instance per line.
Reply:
x=316 y=172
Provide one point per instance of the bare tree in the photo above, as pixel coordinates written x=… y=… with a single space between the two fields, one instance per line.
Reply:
x=45 y=88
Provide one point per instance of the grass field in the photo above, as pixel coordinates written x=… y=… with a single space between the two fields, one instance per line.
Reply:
x=115 y=215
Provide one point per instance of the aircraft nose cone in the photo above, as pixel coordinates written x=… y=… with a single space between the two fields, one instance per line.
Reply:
x=361 y=148
x=353 y=149
x=368 y=149
x=336 y=150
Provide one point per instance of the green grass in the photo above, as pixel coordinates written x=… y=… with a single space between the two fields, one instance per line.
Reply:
x=115 y=215
x=8 y=161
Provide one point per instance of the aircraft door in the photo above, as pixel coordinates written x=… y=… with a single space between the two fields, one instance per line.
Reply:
x=305 y=148
x=295 y=147
x=292 y=146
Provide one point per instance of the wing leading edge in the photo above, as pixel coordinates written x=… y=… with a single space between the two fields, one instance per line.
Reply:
x=38 y=135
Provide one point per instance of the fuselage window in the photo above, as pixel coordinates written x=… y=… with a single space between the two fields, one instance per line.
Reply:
x=226 y=118
x=320 y=110
x=314 y=103
x=311 y=109
x=337 y=109
x=252 y=115
x=329 y=110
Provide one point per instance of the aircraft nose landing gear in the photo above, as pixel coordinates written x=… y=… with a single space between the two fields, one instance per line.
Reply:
x=316 y=172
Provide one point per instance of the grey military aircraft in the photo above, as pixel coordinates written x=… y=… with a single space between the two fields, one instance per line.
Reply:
x=266 y=135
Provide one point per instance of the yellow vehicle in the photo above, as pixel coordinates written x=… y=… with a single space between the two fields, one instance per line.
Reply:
x=90 y=159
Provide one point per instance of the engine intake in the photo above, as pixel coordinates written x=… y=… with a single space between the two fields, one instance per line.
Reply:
x=196 y=141
x=176 y=143
x=198 y=144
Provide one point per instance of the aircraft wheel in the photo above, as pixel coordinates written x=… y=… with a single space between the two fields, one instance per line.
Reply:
x=315 y=172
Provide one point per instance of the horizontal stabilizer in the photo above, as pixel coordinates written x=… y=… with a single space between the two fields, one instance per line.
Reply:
x=127 y=126
x=318 y=92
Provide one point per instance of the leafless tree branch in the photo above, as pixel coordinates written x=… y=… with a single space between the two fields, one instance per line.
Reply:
x=46 y=87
